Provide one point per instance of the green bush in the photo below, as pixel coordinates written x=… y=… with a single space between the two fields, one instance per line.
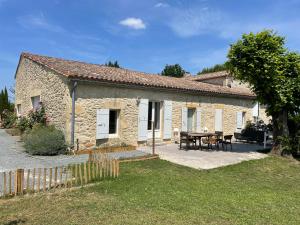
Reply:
x=33 y=118
x=45 y=140
x=8 y=119
x=37 y=116
x=23 y=124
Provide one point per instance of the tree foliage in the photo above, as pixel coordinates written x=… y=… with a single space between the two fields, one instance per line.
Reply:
x=273 y=73
x=215 y=68
x=5 y=104
x=173 y=71
x=113 y=64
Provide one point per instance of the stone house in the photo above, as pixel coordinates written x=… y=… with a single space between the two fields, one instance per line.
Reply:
x=224 y=78
x=99 y=105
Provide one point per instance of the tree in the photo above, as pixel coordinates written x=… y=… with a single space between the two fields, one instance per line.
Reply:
x=1 y=102
x=273 y=73
x=215 y=68
x=4 y=102
x=173 y=71
x=113 y=64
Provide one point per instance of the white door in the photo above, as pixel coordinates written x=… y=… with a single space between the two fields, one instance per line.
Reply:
x=191 y=120
x=219 y=120
x=154 y=115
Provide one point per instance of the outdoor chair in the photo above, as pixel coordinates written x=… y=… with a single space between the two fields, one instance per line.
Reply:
x=210 y=141
x=185 y=138
x=227 y=141
x=219 y=137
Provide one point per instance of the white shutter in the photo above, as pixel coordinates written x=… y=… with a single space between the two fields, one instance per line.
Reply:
x=143 y=120
x=184 y=119
x=255 y=110
x=102 y=129
x=167 y=119
x=219 y=120
x=239 y=120
x=198 y=120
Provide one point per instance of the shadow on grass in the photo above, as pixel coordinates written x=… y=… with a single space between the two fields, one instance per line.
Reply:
x=268 y=150
x=264 y=151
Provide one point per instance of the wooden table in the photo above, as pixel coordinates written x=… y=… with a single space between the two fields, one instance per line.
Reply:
x=198 y=136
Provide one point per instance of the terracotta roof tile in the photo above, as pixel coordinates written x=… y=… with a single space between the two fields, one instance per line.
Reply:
x=213 y=75
x=87 y=71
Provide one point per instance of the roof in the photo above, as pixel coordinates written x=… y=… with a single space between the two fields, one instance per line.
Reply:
x=86 y=71
x=212 y=75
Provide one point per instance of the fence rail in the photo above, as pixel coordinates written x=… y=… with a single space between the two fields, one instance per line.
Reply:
x=23 y=181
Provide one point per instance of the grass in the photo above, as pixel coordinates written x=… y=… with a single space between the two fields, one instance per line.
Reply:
x=263 y=191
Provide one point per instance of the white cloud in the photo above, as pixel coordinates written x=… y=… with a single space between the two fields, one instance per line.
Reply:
x=194 y=21
x=161 y=5
x=38 y=21
x=134 y=23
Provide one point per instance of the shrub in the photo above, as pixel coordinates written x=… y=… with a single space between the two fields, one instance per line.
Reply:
x=37 y=116
x=45 y=140
x=23 y=124
x=33 y=118
x=8 y=119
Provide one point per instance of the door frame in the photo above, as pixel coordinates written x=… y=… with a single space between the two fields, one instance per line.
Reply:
x=156 y=131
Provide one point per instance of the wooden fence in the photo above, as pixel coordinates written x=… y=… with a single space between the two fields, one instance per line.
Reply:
x=23 y=181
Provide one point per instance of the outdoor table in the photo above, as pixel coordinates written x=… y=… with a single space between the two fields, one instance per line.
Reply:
x=198 y=136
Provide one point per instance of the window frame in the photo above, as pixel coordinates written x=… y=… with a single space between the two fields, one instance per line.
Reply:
x=114 y=135
x=32 y=102
x=194 y=125
x=19 y=109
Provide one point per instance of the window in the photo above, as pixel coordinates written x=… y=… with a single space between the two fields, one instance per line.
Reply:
x=240 y=120
x=154 y=114
x=19 y=112
x=35 y=102
x=191 y=120
x=244 y=119
x=113 y=121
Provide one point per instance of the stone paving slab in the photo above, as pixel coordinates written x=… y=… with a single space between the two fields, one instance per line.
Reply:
x=207 y=159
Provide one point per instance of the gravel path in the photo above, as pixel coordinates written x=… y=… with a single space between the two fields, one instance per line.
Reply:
x=12 y=156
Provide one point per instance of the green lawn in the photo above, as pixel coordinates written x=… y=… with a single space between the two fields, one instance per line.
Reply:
x=264 y=191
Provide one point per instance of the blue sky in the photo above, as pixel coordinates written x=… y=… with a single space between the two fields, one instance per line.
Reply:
x=142 y=35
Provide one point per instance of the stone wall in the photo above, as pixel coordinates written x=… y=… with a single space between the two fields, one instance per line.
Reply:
x=91 y=97
x=32 y=80
x=221 y=81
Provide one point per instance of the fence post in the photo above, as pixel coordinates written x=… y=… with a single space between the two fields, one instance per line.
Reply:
x=4 y=184
x=27 y=181
x=50 y=178
x=19 y=179
x=9 y=182
x=33 y=179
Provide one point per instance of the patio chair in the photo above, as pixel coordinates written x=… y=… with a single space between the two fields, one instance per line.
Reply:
x=227 y=141
x=210 y=141
x=185 y=138
x=219 y=137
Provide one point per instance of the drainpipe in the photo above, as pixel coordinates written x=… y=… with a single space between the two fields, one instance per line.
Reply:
x=73 y=114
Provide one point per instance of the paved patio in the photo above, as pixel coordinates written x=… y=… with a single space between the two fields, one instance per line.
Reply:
x=207 y=159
